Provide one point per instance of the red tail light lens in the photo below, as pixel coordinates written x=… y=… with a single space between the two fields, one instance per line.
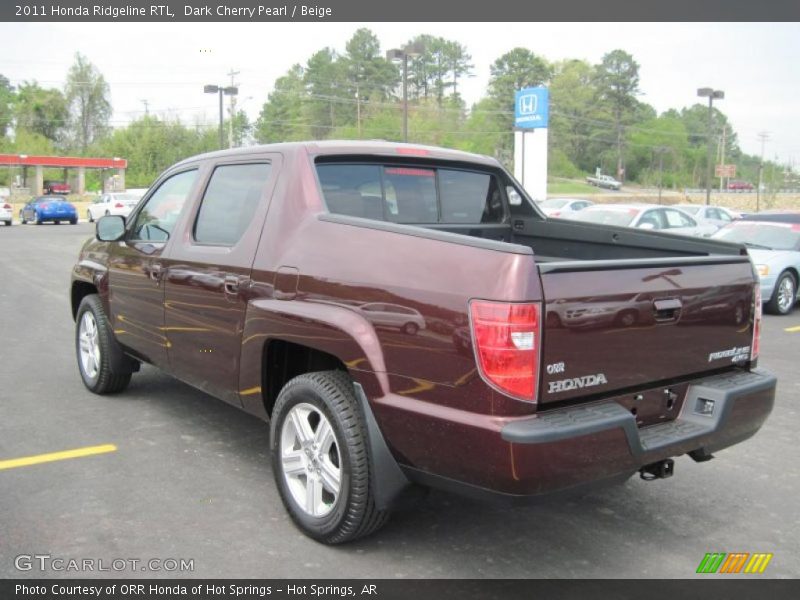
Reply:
x=6 y=205
x=44 y=206
x=755 y=347
x=118 y=205
x=507 y=345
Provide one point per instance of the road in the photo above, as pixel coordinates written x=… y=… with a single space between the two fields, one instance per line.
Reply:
x=191 y=479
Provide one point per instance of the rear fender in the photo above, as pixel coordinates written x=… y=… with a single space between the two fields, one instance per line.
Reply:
x=335 y=330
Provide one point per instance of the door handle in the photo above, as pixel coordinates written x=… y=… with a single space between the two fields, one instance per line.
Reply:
x=667 y=309
x=232 y=284
x=155 y=272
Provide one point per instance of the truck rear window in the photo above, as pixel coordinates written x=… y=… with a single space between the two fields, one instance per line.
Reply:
x=411 y=194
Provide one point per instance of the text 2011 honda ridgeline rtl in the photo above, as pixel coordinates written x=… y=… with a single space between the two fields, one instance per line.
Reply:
x=406 y=315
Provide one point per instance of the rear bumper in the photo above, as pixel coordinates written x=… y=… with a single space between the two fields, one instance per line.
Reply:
x=574 y=446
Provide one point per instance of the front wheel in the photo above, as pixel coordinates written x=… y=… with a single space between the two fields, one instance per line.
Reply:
x=320 y=458
x=89 y=216
x=784 y=296
x=93 y=346
x=37 y=218
x=73 y=221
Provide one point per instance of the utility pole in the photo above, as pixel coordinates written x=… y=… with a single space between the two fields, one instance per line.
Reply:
x=358 y=111
x=232 y=108
x=146 y=107
x=722 y=156
x=763 y=136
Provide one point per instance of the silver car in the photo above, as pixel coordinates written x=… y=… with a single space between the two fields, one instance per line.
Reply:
x=775 y=251
x=564 y=207
x=383 y=314
x=666 y=219
x=712 y=215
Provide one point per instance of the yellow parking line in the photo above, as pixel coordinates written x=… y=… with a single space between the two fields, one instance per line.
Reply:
x=26 y=461
x=793 y=329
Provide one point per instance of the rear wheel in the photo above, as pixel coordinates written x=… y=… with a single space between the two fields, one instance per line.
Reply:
x=320 y=458
x=93 y=344
x=73 y=221
x=410 y=328
x=22 y=218
x=784 y=296
x=8 y=223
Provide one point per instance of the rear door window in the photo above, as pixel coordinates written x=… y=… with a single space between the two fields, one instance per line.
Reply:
x=412 y=194
x=229 y=203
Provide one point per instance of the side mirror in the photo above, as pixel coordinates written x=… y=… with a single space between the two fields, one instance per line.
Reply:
x=110 y=228
x=644 y=225
x=514 y=199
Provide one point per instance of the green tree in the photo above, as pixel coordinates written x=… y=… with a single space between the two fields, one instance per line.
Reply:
x=41 y=110
x=87 y=95
x=6 y=105
x=618 y=86
x=327 y=103
x=366 y=69
x=573 y=115
x=281 y=117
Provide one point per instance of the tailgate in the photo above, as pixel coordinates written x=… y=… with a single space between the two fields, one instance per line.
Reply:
x=612 y=325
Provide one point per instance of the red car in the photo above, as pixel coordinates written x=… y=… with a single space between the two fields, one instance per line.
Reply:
x=740 y=186
x=56 y=187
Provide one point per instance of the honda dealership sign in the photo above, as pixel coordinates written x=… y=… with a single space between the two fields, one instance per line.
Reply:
x=531 y=108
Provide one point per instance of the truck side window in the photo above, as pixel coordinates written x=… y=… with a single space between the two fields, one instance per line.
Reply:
x=415 y=194
x=469 y=197
x=352 y=190
x=158 y=216
x=229 y=203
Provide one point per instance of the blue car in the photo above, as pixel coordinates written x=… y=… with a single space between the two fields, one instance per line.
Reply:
x=48 y=208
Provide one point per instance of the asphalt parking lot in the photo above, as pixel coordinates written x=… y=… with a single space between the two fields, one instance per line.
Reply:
x=190 y=477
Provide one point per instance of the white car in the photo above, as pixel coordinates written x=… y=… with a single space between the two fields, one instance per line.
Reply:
x=118 y=203
x=667 y=219
x=5 y=212
x=711 y=215
x=563 y=207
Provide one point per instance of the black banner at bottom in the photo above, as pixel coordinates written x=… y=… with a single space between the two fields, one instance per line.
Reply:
x=383 y=589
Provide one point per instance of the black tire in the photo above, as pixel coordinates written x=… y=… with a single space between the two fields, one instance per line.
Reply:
x=627 y=318
x=57 y=222
x=89 y=216
x=779 y=304
x=106 y=380
x=410 y=328
x=37 y=218
x=353 y=513
x=73 y=221
x=9 y=223
x=22 y=218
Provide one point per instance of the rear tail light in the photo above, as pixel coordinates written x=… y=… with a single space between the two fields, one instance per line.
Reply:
x=44 y=206
x=6 y=206
x=755 y=347
x=556 y=214
x=119 y=205
x=507 y=338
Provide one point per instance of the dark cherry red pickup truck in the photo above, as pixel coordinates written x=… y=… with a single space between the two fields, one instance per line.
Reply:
x=405 y=315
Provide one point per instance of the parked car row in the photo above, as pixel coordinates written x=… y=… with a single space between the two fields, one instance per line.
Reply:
x=57 y=208
x=772 y=237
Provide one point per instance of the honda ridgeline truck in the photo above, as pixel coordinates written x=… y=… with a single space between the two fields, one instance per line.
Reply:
x=406 y=315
